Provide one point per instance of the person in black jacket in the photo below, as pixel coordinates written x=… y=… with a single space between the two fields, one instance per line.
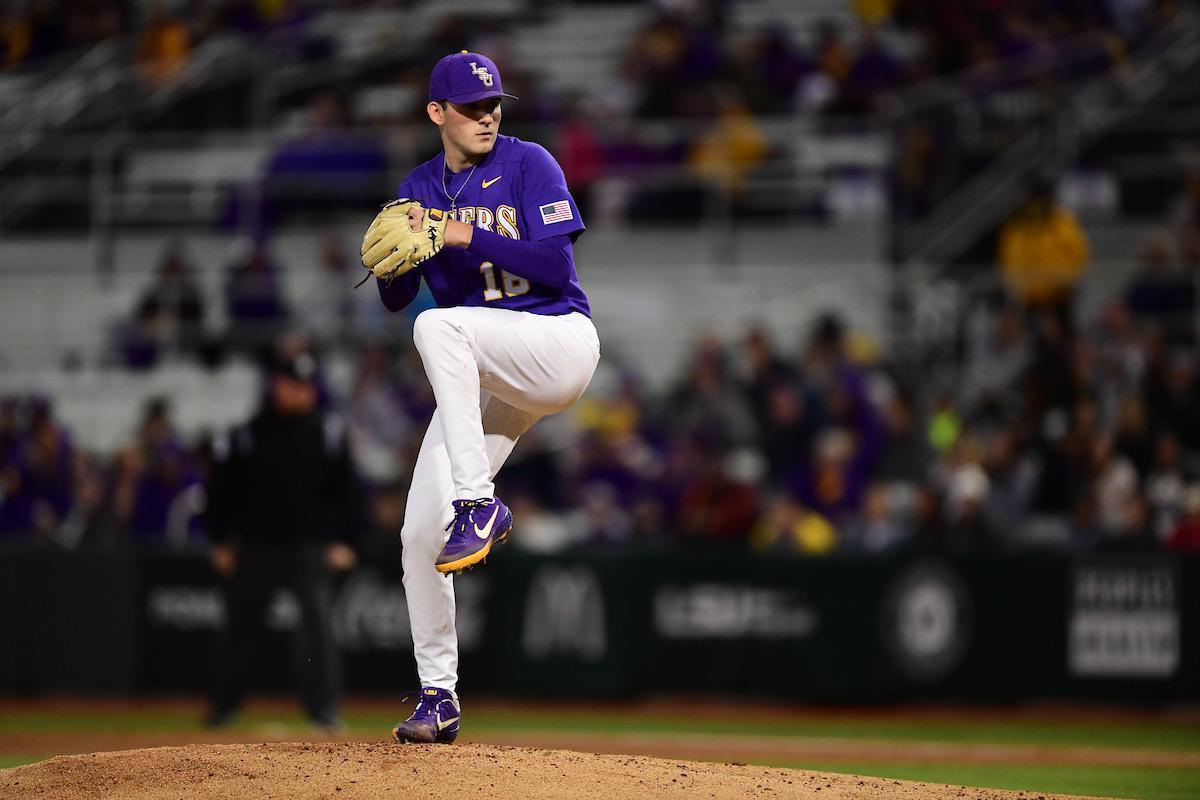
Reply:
x=283 y=507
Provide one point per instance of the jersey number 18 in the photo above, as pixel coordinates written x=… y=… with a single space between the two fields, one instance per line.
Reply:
x=513 y=284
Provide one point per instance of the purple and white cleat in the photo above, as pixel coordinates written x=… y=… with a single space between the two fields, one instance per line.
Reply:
x=434 y=721
x=477 y=525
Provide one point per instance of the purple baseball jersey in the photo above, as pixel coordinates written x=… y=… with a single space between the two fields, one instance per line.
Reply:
x=518 y=191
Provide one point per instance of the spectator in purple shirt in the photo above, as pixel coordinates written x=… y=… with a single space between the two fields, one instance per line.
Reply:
x=330 y=164
x=35 y=486
x=254 y=300
x=874 y=72
x=154 y=475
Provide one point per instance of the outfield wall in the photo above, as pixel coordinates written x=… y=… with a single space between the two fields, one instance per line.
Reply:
x=1112 y=628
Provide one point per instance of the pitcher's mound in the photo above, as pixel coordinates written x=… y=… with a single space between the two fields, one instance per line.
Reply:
x=381 y=770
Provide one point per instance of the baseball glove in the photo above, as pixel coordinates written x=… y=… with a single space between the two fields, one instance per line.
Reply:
x=391 y=247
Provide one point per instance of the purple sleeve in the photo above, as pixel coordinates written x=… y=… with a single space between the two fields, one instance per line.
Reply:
x=398 y=293
x=547 y=207
x=547 y=261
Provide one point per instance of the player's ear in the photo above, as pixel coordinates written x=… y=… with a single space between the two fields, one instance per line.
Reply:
x=436 y=112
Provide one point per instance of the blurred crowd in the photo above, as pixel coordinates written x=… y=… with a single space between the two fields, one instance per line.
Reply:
x=1088 y=440
x=162 y=34
x=172 y=317
x=1043 y=428
x=1048 y=437
x=1048 y=429
x=684 y=51
x=687 y=60
x=50 y=490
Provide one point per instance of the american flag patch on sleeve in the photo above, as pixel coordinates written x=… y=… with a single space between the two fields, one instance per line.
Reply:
x=556 y=212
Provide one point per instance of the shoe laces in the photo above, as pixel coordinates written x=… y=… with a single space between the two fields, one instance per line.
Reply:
x=426 y=704
x=463 y=511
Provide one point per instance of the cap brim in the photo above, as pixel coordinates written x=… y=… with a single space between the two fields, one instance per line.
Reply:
x=471 y=97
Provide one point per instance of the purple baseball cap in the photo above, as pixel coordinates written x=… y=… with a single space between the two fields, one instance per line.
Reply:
x=465 y=77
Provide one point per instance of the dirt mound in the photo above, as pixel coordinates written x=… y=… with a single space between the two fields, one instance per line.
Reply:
x=380 y=770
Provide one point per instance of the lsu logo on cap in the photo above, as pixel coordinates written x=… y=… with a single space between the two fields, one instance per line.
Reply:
x=481 y=73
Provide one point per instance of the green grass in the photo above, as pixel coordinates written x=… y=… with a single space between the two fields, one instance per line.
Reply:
x=1144 y=783
x=125 y=722
x=1124 y=735
x=1142 y=736
x=16 y=761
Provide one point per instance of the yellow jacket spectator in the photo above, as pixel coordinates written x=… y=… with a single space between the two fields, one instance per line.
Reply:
x=1043 y=252
x=16 y=37
x=874 y=12
x=729 y=151
x=163 y=49
x=788 y=526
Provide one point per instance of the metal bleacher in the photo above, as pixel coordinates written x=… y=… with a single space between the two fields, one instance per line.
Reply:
x=57 y=314
x=578 y=54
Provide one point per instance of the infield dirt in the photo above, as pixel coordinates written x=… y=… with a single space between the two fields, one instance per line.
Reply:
x=359 y=769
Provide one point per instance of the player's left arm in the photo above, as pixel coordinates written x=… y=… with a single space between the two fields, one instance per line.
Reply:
x=396 y=294
x=551 y=221
x=547 y=261
x=398 y=290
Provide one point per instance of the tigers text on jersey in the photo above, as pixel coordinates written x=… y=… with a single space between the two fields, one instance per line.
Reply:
x=517 y=190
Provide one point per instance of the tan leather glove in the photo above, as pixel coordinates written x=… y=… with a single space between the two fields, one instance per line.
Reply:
x=391 y=247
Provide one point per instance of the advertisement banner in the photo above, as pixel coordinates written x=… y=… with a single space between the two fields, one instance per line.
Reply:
x=1126 y=619
x=616 y=624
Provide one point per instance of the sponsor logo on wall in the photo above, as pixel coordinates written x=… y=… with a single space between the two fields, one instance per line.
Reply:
x=185 y=608
x=1125 y=620
x=564 y=615
x=724 y=611
x=369 y=611
x=927 y=620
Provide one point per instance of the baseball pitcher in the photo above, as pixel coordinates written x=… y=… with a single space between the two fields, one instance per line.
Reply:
x=489 y=224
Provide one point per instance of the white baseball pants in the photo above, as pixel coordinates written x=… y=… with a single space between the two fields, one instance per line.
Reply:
x=494 y=373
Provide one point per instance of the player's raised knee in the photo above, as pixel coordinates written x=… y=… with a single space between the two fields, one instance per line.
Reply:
x=430 y=324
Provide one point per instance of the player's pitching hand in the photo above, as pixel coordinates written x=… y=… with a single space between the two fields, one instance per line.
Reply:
x=416 y=217
x=403 y=235
x=456 y=234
